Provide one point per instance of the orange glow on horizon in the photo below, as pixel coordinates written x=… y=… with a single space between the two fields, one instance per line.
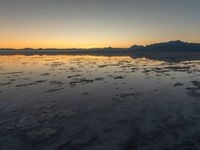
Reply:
x=62 y=45
x=20 y=37
x=62 y=42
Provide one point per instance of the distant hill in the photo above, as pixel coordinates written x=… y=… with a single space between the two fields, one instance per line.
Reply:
x=171 y=46
x=175 y=46
x=135 y=47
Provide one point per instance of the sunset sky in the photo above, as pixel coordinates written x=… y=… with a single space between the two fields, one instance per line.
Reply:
x=96 y=23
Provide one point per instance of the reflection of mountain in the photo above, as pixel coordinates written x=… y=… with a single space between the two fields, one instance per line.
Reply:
x=167 y=56
x=175 y=46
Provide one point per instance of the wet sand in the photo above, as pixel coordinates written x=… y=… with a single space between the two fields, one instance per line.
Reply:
x=66 y=102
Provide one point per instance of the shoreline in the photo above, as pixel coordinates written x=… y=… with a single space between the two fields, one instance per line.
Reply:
x=162 y=56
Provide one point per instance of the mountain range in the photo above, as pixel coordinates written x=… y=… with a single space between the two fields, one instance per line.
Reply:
x=177 y=46
x=171 y=46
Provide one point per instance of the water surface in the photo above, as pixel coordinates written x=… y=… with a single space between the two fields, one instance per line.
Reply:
x=98 y=102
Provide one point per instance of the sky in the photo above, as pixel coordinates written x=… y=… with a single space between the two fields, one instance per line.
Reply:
x=96 y=23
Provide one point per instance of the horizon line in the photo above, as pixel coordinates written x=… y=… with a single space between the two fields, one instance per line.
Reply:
x=64 y=48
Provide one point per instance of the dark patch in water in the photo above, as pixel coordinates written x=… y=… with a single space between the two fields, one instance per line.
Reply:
x=54 y=90
x=8 y=73
x=119 y=77
x=27 y=84
x=194 y=91
x=7 y=83
x=12 y=79
x=98 y=79
x=196 y=83
x=40 y=81
x=80 y=81
x=45 y=74
x=178 y=84
x=125 y=95
x=32 y=83
x=85 y=93
x=72 y=76
x=178 y=68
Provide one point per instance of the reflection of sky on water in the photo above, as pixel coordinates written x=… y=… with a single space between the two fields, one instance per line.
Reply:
x=95 y=79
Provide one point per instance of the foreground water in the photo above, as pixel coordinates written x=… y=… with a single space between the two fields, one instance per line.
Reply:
x=96 y=102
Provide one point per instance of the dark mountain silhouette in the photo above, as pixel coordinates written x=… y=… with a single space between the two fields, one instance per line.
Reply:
x=169 y=47
x=136 y=47
x=175 y=46
x=172 y=51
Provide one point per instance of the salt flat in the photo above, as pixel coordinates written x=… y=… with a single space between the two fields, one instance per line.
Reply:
x=70 y=102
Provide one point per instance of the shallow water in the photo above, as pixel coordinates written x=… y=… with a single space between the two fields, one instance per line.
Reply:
x=98 y=102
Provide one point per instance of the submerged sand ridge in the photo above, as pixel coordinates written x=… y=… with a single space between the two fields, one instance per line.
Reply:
x=98 y=102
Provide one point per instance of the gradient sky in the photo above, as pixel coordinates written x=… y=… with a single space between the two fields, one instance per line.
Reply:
x=96 y=23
